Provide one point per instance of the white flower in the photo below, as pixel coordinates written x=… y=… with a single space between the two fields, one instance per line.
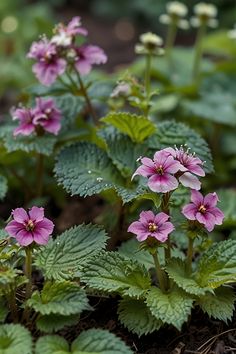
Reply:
x=122 y=89
x=62 y=39
x=204 y=14
x=150 y=38
x=176 y=8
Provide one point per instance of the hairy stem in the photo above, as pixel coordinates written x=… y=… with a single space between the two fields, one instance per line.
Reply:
x=148 y=75
x=189 y=255
x=40 y=170
x=87 y=99
x=165 y=209
x=28 y=271
x=198 y=50
x=170 y=39
x=13 y=306
x=159 y=272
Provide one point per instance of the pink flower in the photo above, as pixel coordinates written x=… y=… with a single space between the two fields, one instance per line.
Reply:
x=25 y=116
x=160 y=172
x=65 y=35
x=86 y=56
x=151 y=225
x=191 y=166
x=47 y=115
x=29 y=227
x=49 y=65
x=204 y=210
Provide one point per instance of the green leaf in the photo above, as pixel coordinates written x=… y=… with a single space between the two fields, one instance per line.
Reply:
x=69 y=253
x=176 y=270
x=219 y=305
x=136 y=316
x=217 y=266
x=3 y=187
x=85 y=169
x=40 y=144
x=227 y=204
x=122 y=150
x=53 y=323
x=14 y=338
x=219 y=43
x=138 y=128
x=171 y=308
x=98 y=341
x=60 y=298
x=171 y=133
x=131 y=250
x=52 y=345
x=111 y=272
x=92 y=341
x=70 y=107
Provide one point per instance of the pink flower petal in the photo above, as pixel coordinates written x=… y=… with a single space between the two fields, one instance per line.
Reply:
x=137 y=228
x=171 y=166
x=218 y=214
x=190 y=211
x=190 y=181
x=196 y=197
x=162 y=183
x=20 y=215
x=14 y=227
x=161 y=218
x=144 y=171
x=24 y=129
x=148 y=162
x=146 y=217
x=161 y=156
x=166 y=228
x=41 y=236
x=207 y=219
x=46 y=225
x=24 y=238
x=197 y=170
x=211 y=199
x=83 y=66
x=36 y=214
x=161 y=236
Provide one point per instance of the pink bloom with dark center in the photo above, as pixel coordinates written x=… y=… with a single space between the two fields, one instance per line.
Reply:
x=47 y=115
x=191 y=166
x=204 y=210
x=160 y=172
x=151 y=225
x=49 y=65
x=86 y=56
x=65 y=35
x=30 y=226
x=25 y=116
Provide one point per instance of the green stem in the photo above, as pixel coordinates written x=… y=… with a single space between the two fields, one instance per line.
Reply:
x=159 y=272
x=148 y=75
x=198 y=50
x=87 y=99
x=170 y=39
x=165 y=209
x=64 y=83
x=13 y=306
x=40 y=170
x=28 y=271
x=189 y=255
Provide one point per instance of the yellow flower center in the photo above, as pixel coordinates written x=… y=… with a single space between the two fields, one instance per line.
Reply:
x=159 y=170
x=152 y=227
x=30 y=225
x=202 y=209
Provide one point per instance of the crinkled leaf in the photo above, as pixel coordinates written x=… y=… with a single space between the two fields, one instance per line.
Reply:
x=176 y=270
x=171 y=308
x=85 y=169
x=53 y=323
x=62 y=298
x=70 y=107
x=15 y=338
x=3 y=187
x=138 y=128
x=122 y=150
x=219 y=305
x=171 y=133
x=217 y=266
x=112 y=272
x=227 y=204
x=92 y=341
x=98 y=341
x=40 y=144
x=68 y=254
x=136 y=316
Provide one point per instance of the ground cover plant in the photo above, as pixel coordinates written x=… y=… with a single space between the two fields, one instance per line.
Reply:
x=151 y=142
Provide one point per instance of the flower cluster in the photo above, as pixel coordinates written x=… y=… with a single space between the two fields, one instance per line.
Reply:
x=175 y=13
x=205 y=14
x=43 y=117
x=150 y=44
x=169 y=167
x=53 y=57
x=165 y=171
x=30 y=226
